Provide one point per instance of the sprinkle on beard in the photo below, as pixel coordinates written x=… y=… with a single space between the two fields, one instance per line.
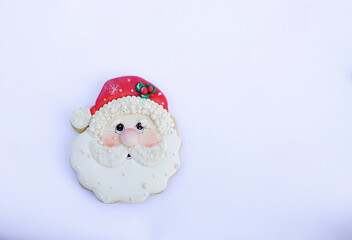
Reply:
x=108 y=156
x=148 y=156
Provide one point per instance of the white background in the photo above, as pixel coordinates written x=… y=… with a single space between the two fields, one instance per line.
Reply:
x=261 y=91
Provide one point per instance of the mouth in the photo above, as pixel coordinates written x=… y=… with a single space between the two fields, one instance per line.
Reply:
x=128 y=157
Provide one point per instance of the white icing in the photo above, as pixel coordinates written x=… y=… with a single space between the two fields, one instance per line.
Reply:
x=101 y=154
x=149 y=156
x=130 y=181
x=113 y=90
x=113 y=156
x=147 y=124
x=132 y=105
x=80 y=118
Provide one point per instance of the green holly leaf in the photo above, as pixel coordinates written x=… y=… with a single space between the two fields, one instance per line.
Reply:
x=139 y=86
x=146 y=96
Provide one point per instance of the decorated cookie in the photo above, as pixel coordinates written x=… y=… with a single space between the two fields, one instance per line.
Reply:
x=128 y=143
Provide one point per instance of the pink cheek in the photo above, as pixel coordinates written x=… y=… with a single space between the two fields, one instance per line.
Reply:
x=111 y=139
x=149 y=139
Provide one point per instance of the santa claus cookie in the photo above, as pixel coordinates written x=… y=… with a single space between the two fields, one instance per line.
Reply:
x=128 y=146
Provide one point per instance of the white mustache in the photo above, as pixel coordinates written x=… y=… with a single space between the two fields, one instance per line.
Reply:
x=148 y=156
x=113 y=156
x=108 y=156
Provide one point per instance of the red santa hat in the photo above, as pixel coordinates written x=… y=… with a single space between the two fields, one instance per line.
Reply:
x=127 y=88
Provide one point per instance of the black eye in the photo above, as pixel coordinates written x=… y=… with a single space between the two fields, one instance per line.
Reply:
x=139 y=127
x=119 y=128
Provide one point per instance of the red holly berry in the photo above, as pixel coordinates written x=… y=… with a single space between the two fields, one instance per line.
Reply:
x=144 y=90
x=150 y=88
x=152 y=94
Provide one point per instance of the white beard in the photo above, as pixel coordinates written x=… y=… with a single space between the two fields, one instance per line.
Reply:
x=113 y=178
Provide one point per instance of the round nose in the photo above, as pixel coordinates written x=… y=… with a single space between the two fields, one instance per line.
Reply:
x=129 y=137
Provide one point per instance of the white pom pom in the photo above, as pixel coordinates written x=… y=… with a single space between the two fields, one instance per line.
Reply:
x=81 y=118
